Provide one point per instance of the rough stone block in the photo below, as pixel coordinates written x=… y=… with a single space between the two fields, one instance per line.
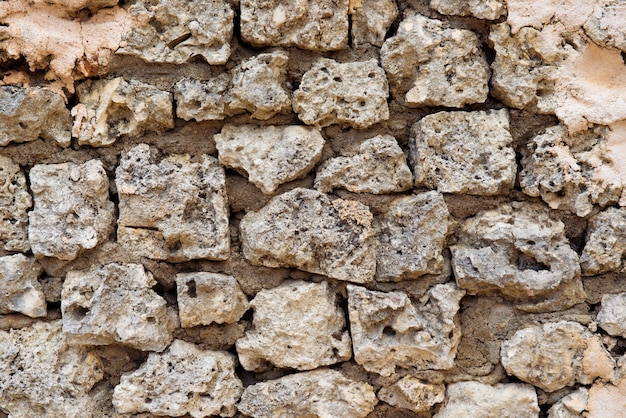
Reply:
x=389 y=330
x=606 y=242
x=570 y=406
x=379 y=167
x=353 y=94
x=605 y=26
x=76 y=5
x=19 y=289
x=14 y=202
x=605 y=399
x=172 y=209
x=269 y=155
x=371 y=19
x=203 y=100
x=72 y=210
x=304 y=229
x=412 y=394
x=296 y=325
x=489 y=9
x=612 y=315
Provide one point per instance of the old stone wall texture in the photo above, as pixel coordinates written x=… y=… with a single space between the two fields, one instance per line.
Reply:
x=322 y=208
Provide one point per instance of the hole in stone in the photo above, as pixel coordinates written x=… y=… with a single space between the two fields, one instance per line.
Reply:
x=528 y=262
x=624 y=57
x=151 y=320
x=175 y=42
x=388 y=331
x=191 y=289
x=79 y=313
x=148 y=400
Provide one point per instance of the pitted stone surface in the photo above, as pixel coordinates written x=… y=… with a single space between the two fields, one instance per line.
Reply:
x=429 y=64
x=605 y=399
x=317 y=26
x=463 y=152
x=269 y=155
x=411 y=236
x=570 y=406
x=14 y=202
x=489 y=9
x=182 y=380
x=72 y=210
x=605 y=25
x=412 y=394
x=114 y=303
x=518 y=251
x=304 y=229
x=172 y=209
x=353 y=94
x=296 y=325
x=319 y=393
x=612 y=315
x=19 y=289
x=389 y=330
x=379 y=167
x=205 y=298
x=75 y=5
x=203 y=99
x=371 y=20
x=606 y=242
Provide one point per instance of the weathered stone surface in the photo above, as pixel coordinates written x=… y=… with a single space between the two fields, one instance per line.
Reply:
x=429 y=64
x=463 y=152
x=319 y=393
x=72 y=209
x=14 y=202
x=19 y=289
x=607 y=400
x=570 y=406
x=605 y=26
x=570 y=172
x=269 y=155
x=27 y=114
x=379 y=167
x=389 y=330
x=353 y=93
x=174 y=31
x=474 y=399
x=412 y=394
x=490 y=9
x=296 y=325
x=518 y=251
x=111 y=109
x=203 y=100
x=556 y=355
x=115 y=304
x=612 y=315
x=616 y=148
x=318 y=26
x=606 y=242
x=75 y=5
x=182 y=380
x=172 y=209
x=411 y=236
x=371 y=20
x=204 y=298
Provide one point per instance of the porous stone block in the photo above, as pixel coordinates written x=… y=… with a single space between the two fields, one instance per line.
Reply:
x=371 y=19
x=612 y=315
x=463 y=152
x=606 y=242
x=379 y=167
x=518 y=251
x=296 y=325
x=72 y=210
x=304 y=229
x=14 y=202
x=269 y=155
x=389 y=330
x=570 y=406
x=606 y=399
x=412 y=394
x=429 y=64
x=205 y=298
x=318 y=393
x=76 y=5
x=489 y=9
x=411 y=236
x=203 y=99
x=172 y=208
x=20 y=291
x=115 y=303
x=317 y=26
x=181 y=380
x=605 y=26
x=111 y=109
x=354 y=94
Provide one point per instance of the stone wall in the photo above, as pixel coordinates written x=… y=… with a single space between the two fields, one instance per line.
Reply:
x=329 y=208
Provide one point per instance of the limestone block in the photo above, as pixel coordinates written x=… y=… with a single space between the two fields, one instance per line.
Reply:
x=433 y=65
x=411 y=236
x=556 y=355
x=606 y=242
x=518 y=251
x=379 y=167
x=474 y=399
x=319 y=393
x=181 y=380
x=463 y=152
x=304 y=229
x=203 y=100
x=174 y=31
x=412 y=394
x=27 y=114
x=489 y=10
x=317 y=26
x=172 y=209
x=296 y=325
x=389 y=330
x=371 y=20
x=114 y=303
x=570 y=406
x=612 y=315
x=570 y=172
x=605 y=400
x=269 y=155
x=42 y=376
x=354 y=94
x=204 y=298
x=605 y=26
x=19 y=289
x=76 y=5
x=14 y=202
x=111 y=109
x=72 y=209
